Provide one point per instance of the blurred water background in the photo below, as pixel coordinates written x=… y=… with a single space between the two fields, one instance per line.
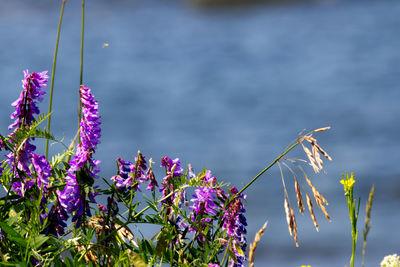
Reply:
x=228 y=88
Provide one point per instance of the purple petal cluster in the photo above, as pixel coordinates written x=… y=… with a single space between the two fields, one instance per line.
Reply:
x=55 y=221
x=90 y=122
x=152 y=179
x=124 y=179
x=42 y=169
x=25 y=108
x=203 y=204
x=25 y=105
x=22 y=159
x=235 y=224
x=173 y=169
x=83 y=168
x=131 y=175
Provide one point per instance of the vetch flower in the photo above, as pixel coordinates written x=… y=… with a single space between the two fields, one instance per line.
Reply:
x=25 y=108
x=173 y=169
x=124 y=179
x=26 y=104
x=172 y=166
x=42 y=169
x=235 y=224
x=152 y=179
x=131 y=175
x=203 y=206
x=83 y=168
x=55 y=221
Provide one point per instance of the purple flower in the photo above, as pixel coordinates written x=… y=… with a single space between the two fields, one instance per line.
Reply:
x=172 y=166
x=124 y=179
x=2 y=143
x=191 y=172
x=25 y=108
x=173 y=169
x=25 y=105
x=90 y=121
x=21 y=184
x=42 y=169
x=203 y=206
x=152 y=179
x=129 y=174
x=83 y=168
x=235 y=223
x=55 y=221
x=203 y=202
x=208 y=179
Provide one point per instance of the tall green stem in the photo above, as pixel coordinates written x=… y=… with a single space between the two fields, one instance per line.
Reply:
x=81 y=71
x=53 y=72
x=287 y=150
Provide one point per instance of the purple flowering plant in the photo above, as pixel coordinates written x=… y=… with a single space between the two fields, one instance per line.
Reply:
x=52 y=213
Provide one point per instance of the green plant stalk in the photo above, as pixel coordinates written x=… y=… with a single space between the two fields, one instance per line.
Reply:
x=287 y=150
x=53 y=75
x=225 y=254
x=81 y=68
x=292 y=145
x=353 y=220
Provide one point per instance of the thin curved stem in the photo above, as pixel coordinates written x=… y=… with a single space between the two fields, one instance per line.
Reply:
x=287 y=150
x=53 y=74
x=81 y=67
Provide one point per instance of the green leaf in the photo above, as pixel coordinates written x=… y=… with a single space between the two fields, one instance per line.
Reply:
x=137 y=261
x=162 y=243
x=37 y=241
x=68 y=262
x=7 y=229
x=239 y=250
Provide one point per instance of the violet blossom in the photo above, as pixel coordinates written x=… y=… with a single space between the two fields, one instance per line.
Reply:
x=172 y=166
x=55 y=221
x=131 y=175
x=152 y=179
x=203 y=203
x=173 y=169
x=83 y=168
x=25 y=105
x=25 y=108
x=235 y=224
x=42 y=169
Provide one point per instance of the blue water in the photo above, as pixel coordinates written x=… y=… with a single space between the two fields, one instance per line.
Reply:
x=228 y=89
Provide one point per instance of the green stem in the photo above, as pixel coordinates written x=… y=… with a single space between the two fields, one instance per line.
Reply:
x=227 y=203
x=268 y=167
x=81 y=70
x=53 y=74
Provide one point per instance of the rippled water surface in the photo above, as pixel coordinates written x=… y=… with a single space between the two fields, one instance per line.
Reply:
x=229 y=88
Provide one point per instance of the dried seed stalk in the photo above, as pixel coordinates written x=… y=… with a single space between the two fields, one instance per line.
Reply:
x=314 y=157
x=317 y=195
x=310 y=208
x=253 y=245
x=322 y=129
x=287 y=212
x=298 y=196
x=310 y=158
x=323 y=152
x=294 y=227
